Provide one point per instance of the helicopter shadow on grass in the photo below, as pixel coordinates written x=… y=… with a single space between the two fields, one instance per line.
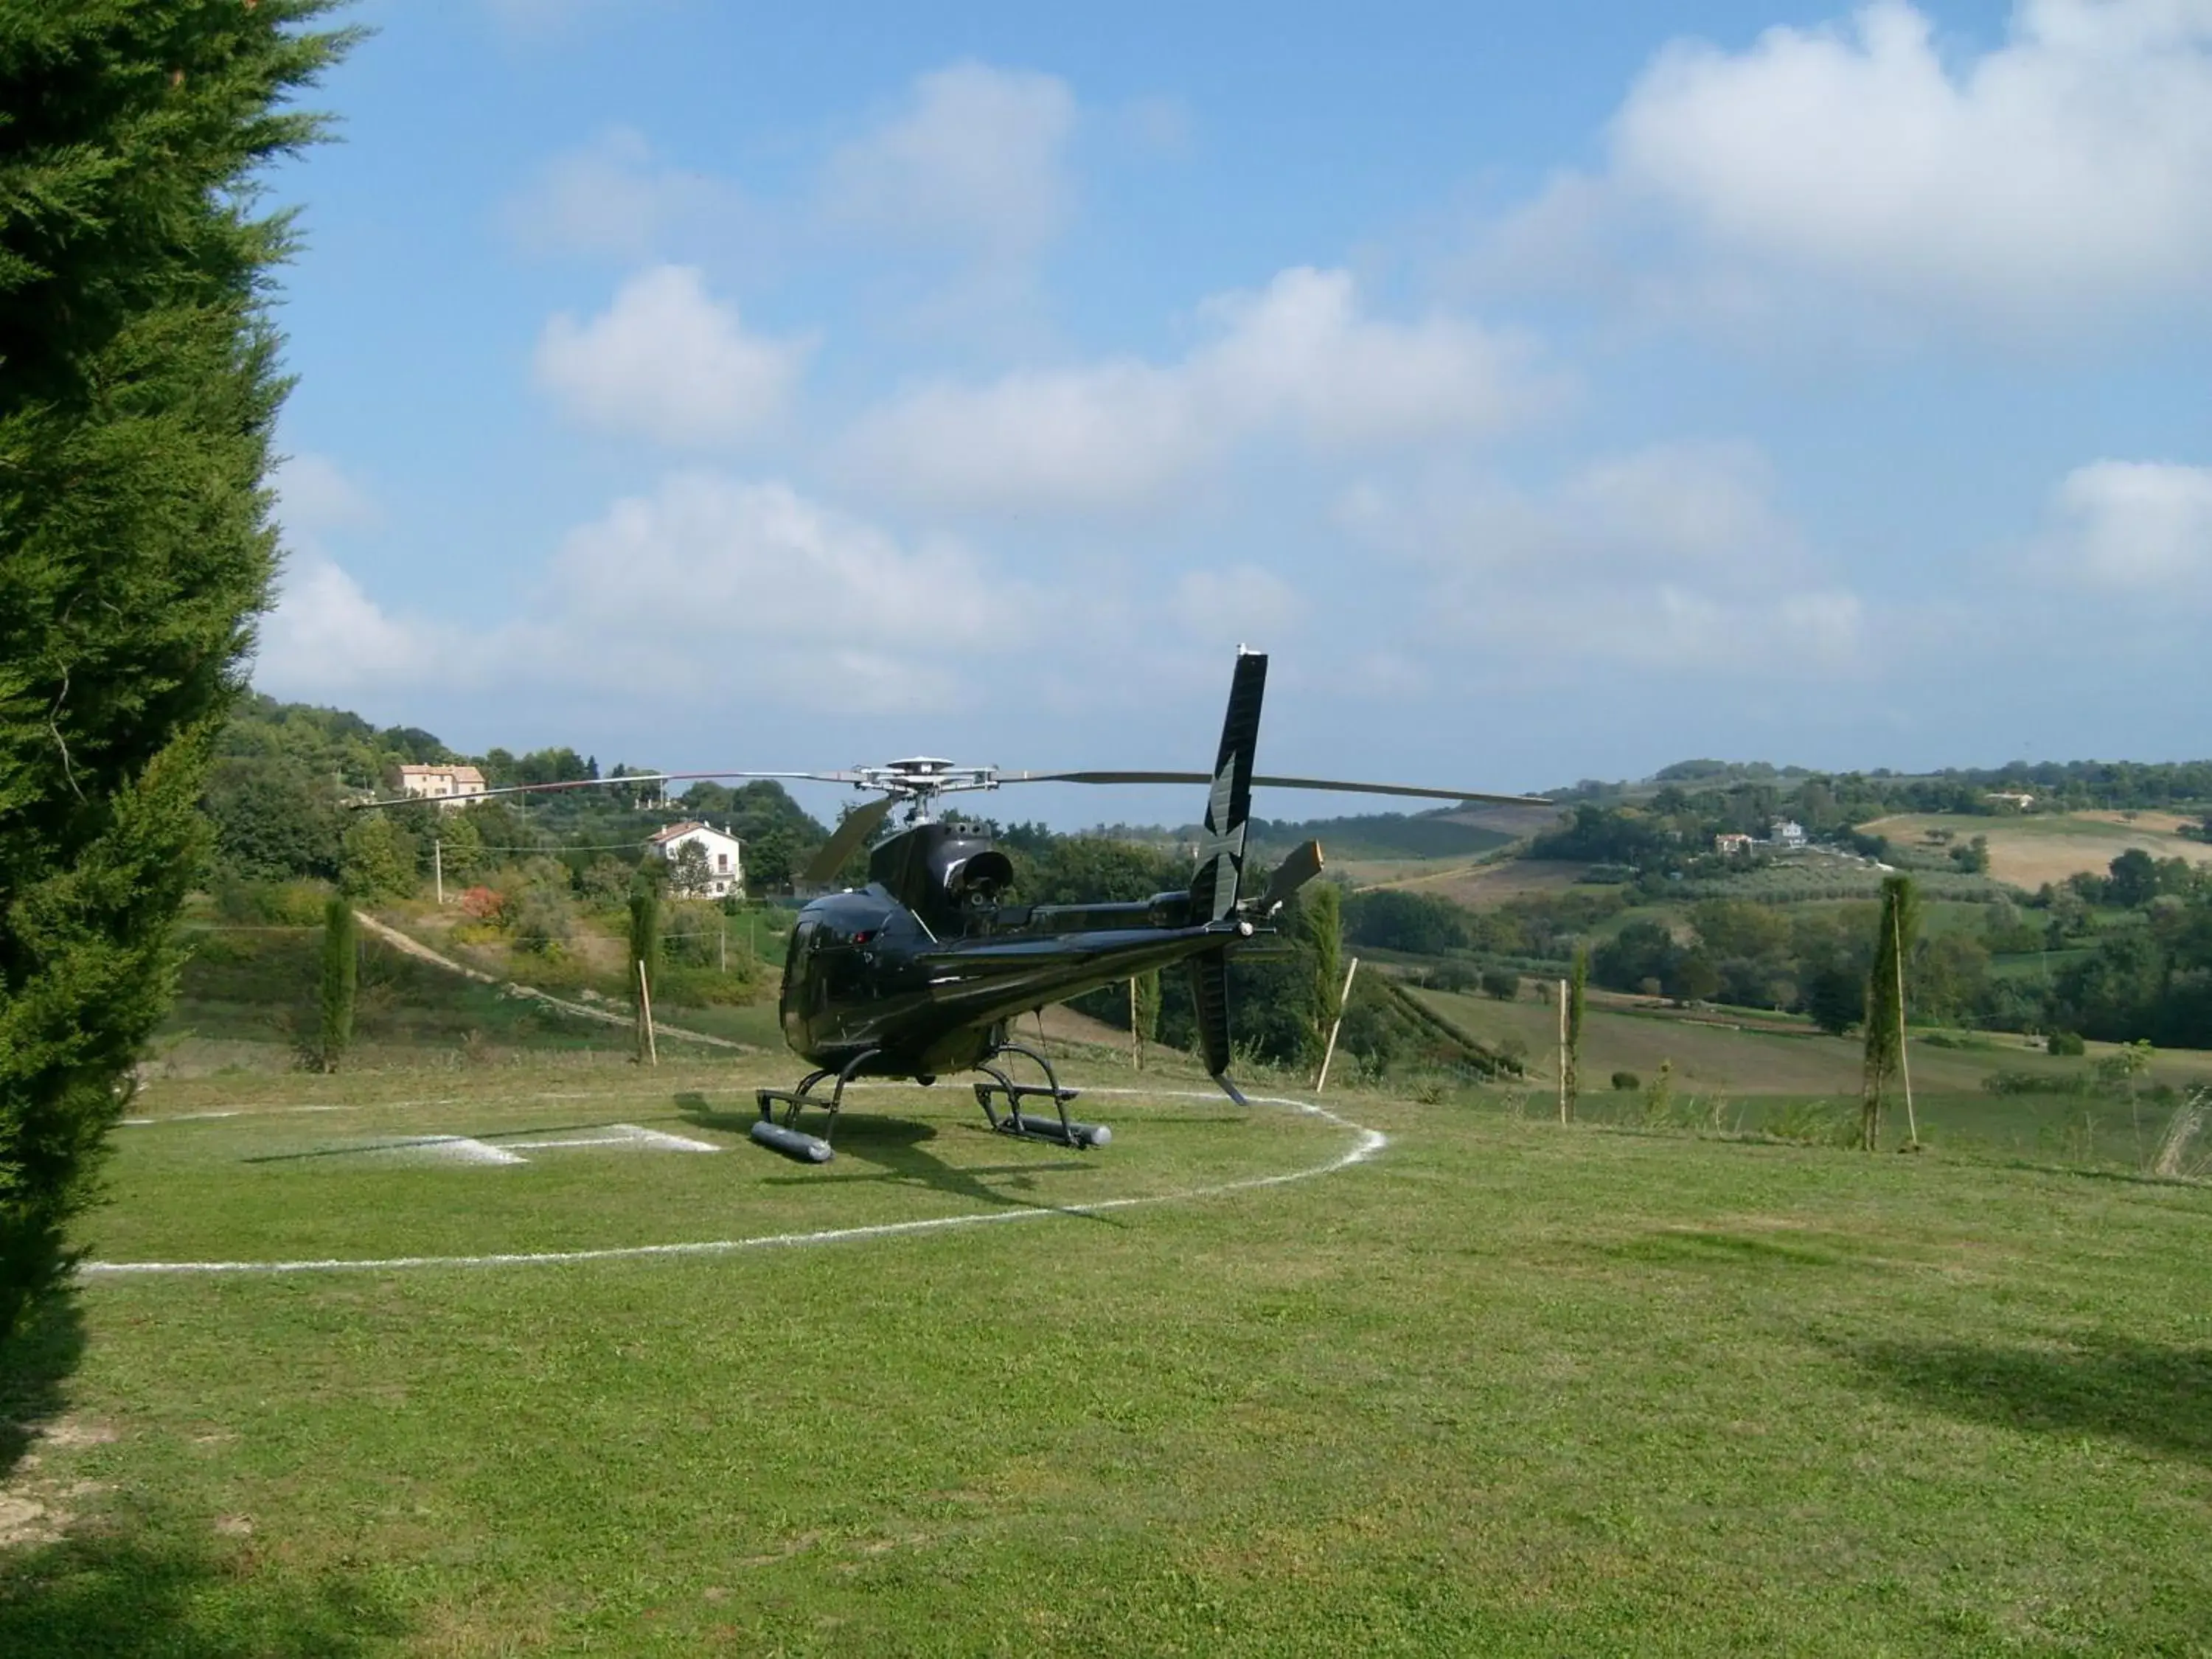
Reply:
x=898 y=1147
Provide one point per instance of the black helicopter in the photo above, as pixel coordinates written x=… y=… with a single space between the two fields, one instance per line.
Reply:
x=922 y=972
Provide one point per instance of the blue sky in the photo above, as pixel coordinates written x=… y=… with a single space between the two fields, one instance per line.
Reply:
x=1556 y=392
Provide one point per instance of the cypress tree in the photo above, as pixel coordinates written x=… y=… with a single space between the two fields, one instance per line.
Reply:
x=138 y=390
x=645 y=948
x=1577 y=991
x=340 y=969
x=1146 y=1012
x=1321 y=925
x=1885 y=1001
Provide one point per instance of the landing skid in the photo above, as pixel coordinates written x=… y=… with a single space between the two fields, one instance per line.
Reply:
x=782 y=1134
x=1058 y=1128
x=786 y=1137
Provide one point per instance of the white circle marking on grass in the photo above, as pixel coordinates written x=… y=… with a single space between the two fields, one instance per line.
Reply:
x=1370 y=1141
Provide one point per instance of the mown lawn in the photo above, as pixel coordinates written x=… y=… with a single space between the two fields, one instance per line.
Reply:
x=1503 y=1387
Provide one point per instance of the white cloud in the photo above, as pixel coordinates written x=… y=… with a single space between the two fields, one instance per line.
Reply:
x=2142 y=527
x=667 y=362
x=614 y=195
x=324 y=637
x=1671 y=558
x=2064 y=173
x=327 y=638
x=1299 y=358
x=977 y=157
x=316 y=496
x=1091 y=439
x=668 y=595
x=703 y=552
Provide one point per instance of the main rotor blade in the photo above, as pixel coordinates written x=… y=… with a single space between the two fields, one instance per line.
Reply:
x=602 y=783
x=860 y=823
x=1338 y=784
x=1303 y=865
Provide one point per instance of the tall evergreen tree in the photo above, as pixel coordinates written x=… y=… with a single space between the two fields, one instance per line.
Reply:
x=341 y=974
x=138 y=389
x=1321 y=928
x=1884 y=1001
x=1144 y=1010
x=644 y=962
x=1577 y=993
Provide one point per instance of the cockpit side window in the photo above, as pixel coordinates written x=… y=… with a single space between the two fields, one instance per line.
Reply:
x=802 y=939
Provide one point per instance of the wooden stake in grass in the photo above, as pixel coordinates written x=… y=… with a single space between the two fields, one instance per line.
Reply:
x=1885 y=1003
x=341 y=959
x=1563 y=1051
x=1904 y=1060
x=1343 y=1001
x=652 y=1056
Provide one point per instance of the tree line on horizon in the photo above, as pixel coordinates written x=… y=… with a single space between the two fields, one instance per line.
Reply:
x=2058 y=786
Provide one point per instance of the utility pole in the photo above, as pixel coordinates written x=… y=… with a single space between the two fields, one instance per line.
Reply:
x=1904 y=1064
x=722 y=932
x=438 y=869
x=1563 y=1051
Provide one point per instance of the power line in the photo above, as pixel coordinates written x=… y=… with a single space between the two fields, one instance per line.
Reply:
x=603 y=847
x=248 y=927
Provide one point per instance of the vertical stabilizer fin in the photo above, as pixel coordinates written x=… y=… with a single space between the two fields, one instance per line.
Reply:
x=1227 y=805
x=1209 y=995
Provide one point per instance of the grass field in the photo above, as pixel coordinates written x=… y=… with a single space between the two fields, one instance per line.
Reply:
x=1743 y=1071
x=1502 y=1387
x=2039 y=847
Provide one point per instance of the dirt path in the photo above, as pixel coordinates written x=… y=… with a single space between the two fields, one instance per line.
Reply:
x=414 y=947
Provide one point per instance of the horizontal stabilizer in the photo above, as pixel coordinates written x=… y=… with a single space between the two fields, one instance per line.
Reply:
x=1303 y=865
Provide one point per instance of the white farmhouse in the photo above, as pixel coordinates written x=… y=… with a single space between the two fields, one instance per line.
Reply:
x=448 y=785
x=1786 y=833
x=724 y=870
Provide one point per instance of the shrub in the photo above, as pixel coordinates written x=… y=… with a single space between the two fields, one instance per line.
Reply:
x=537 y=920
x=483 y=904
x=1501 y=983
x=1626 y=1083
x=270 y=904
x=2036 y=1082
x=2065 y=1043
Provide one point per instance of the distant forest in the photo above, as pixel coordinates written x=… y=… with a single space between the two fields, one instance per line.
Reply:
x=2059 y=785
